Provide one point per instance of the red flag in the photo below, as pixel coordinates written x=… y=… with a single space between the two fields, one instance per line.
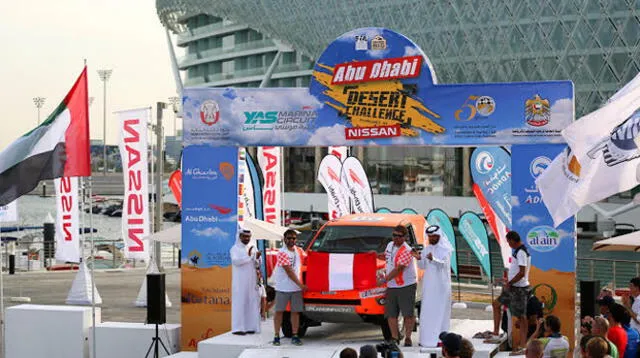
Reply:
x=340 y=272
x=175 y=183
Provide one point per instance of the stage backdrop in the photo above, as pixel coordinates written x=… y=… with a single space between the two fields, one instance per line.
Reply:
x=552 y=250
x=209 y=229
x=371 y=86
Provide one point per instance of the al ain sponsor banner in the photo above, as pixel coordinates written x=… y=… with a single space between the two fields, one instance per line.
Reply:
x=358 y=186
x=329 y=175
x=209 y=229
x=270 y=161
x=9 y=212
x=440 y=218
x=135 y=208
x=552 y=249
x=475 y=233
x=67 y=220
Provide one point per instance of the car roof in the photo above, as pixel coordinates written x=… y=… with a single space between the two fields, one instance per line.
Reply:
x=381 y=219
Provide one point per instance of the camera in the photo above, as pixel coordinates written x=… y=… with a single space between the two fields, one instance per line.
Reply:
x=386 y=350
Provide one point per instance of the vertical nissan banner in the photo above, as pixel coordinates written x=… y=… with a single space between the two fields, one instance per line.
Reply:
x=371 y=86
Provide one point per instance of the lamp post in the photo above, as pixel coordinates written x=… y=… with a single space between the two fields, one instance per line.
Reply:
x=39 y=102
x=104 y=76
x=174 y=104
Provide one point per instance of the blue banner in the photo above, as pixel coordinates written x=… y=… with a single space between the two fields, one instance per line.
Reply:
x=209 y=205
x=440 y=218
x=373 y=86
x=552 y=250
x=491 y=170
x=473 y=230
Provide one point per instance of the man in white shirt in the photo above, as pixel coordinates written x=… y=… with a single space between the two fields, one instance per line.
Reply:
x=401 y=279
x=289 y=286
x=516 y=290
x=632 y=302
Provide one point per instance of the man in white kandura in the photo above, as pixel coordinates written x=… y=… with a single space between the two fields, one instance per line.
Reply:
x=245 y=293
x=435 y=308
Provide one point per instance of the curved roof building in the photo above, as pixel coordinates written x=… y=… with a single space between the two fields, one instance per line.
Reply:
x=595 y=43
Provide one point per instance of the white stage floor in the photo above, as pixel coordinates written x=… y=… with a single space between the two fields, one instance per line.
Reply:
x=328 y=340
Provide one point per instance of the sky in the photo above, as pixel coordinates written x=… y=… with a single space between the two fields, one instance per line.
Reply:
x=44 y=45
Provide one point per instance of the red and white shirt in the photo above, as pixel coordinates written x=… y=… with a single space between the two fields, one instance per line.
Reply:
x=287 y=257
x=400 y=255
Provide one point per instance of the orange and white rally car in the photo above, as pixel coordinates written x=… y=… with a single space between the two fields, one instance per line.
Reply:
x=352 y=234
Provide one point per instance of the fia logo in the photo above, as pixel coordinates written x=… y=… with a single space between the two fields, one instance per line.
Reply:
x=361 y=43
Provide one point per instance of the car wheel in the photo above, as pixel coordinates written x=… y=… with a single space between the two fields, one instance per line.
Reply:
x=304 y=324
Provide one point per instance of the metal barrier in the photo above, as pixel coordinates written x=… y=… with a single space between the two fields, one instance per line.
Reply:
x=32 y=255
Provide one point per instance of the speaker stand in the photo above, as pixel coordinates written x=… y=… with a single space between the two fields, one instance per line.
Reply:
x=154 y=345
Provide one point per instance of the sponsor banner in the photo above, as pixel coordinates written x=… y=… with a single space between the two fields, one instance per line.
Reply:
x=497 y=226
x=175 y=184
x=375 y=86
x=246 y=202
x=136 y=223
x=440 y=218
x=270 y=161
x=341 y=152
x=491 y=170
x=209 y=229
x=475 y=233
x=67 y=219
x=9 y=212
x=552 y=249
x=358 y=186
x=329 y=175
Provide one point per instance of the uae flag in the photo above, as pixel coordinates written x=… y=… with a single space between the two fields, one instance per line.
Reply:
x=59 y=147
x=339 y=272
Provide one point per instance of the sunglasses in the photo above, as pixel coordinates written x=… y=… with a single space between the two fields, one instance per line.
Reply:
x=290 y=238
x=397 y=235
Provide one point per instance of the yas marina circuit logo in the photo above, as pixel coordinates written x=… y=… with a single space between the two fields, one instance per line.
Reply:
x=484 y=162
x=537 y=111
x=543 y=238
x=302 y=119
x=370 y=94
x=622 y=145
x=209 y=112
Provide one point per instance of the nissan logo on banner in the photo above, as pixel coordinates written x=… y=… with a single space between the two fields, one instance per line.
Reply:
x=270 y=161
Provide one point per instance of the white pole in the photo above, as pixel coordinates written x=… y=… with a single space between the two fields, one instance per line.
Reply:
x=93 y=281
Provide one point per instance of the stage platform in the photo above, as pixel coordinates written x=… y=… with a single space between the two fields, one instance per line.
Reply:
x=328 y=340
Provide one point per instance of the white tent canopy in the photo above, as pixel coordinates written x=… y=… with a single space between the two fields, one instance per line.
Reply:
x=628 y=242
x=259 y=230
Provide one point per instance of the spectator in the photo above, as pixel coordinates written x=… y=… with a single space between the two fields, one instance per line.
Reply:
x=616 y=334
x=466 y=350
x=583 y=345
x=534 y=313
x=586 y=326
x=632 y=302
x=596 y=348
x=601 y=329
x=605 y=302
x=451 y=344
x=555 y=344
x=633 y=337
x=535 y=349
x=368 y=351
x=348 y=353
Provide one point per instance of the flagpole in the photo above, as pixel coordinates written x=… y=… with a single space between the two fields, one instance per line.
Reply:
x=93 y=264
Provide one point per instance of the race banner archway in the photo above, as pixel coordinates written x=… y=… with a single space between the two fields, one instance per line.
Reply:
x=371 y=86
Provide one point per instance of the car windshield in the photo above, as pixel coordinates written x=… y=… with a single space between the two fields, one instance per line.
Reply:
x=352 y=239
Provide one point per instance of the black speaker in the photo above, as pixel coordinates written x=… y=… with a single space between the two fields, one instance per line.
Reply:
x=49 y=238
x=589 y=291
x=156 y=304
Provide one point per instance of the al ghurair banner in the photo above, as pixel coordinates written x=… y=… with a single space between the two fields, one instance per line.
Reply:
x=373 y=86
x=553 y=250
x=475 y=233
x=440 y=218
x=209 y=229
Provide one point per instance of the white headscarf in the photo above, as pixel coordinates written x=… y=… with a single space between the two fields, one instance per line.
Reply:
x=444 y=240
x=242 y=231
